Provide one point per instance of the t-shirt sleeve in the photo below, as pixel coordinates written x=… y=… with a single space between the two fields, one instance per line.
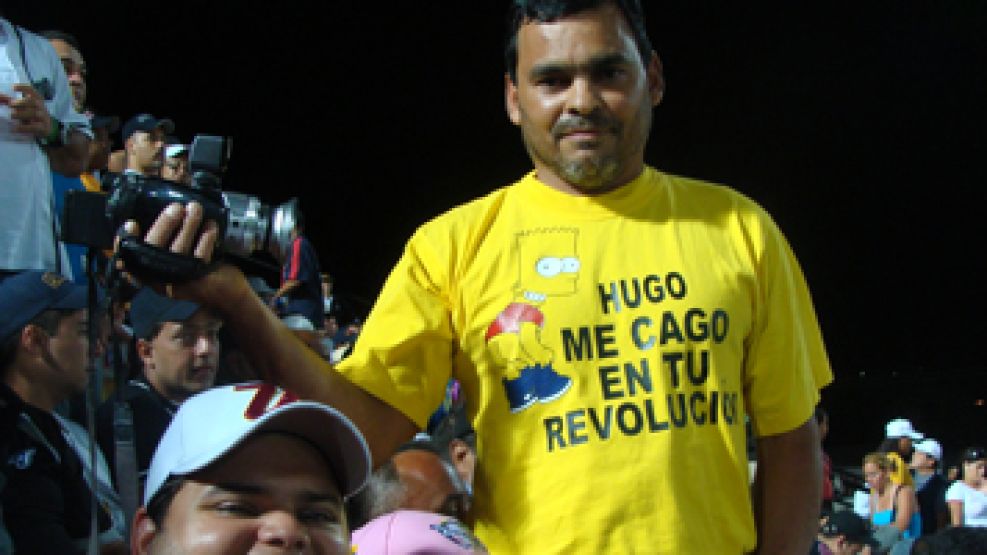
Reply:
x=786 y=363
x=955 y=492
x=403 y=355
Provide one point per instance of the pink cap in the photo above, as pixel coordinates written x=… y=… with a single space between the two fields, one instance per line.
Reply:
x=411 y=532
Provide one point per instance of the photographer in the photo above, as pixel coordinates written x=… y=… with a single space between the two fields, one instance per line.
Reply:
x=38 y=128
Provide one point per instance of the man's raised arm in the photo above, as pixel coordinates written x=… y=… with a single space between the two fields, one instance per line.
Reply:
x=273 y=349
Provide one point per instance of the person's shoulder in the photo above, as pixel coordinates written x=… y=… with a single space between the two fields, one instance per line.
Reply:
x=707 y=193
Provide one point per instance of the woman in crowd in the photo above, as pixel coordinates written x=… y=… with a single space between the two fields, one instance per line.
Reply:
x=890 y=503
x=967 y=497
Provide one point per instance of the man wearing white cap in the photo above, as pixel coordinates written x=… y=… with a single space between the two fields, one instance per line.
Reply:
x=899 y=435
x=250 y=467
x=175 y=166
x=930 y=485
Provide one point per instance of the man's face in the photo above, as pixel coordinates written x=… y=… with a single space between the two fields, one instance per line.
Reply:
x=175 y=169
x=145 y=152
x=181 y=360
x=431 y=484
x=75 y=70
x=69 y=352
x=99 y=149
x=583 y=100
x=922 y=461
x=273 y=494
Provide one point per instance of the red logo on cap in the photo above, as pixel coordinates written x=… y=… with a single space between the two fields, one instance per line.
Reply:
x=263 y=394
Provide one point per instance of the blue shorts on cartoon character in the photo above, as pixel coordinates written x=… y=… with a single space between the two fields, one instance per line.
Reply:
x=548 y=267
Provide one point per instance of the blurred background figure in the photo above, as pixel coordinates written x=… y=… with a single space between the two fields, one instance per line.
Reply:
x=892 y=506
x=175 y=166
x=930 y=485
x=967 y=497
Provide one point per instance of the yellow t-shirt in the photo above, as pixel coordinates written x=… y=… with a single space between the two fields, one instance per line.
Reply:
x=634 y=330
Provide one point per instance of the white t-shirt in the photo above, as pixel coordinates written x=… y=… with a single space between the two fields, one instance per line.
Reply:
x=974 y=503
x=27 y=216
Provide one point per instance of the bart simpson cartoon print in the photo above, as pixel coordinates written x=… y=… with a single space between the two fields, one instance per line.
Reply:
x=548 y=268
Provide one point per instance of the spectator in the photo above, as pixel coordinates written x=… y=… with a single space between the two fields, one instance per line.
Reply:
x=898 y=444
x=521 y=296
x=930 y=485
x=39 y=132
x=268 y=473
x=967 y=497
x=415 y=532
x=843 y=533
x=143 y=141
x=176 y=164
x=301 y=287
x=418 y=478
x=76 y=71
x=43 y=355
x=455 y=440
x=891 y=505
x=178 y=348
x=953 y=541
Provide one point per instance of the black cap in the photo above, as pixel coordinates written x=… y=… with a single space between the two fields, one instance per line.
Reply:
x=849 y=525
x=148 y=309
x=146 y=122
x=974 y=453
x=25 y=295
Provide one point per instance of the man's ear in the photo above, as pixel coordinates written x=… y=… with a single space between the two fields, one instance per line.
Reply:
x=34 y=340
x=144 y=350
x=142 y=533
x=510 y=100
x=656 y=79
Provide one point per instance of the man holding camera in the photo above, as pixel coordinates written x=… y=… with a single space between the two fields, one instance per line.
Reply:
x=40 y=131
x=611 y=325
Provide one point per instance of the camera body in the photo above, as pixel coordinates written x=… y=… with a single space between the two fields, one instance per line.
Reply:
x=246 y=225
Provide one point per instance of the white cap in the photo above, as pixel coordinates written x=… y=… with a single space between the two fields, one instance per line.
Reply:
x=931 y=448
x=900 y=427
x=210 y=424
x=175 y=150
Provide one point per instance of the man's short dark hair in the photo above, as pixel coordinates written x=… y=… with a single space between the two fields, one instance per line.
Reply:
x=47 y=320
x=523 y=11
x=62 y=36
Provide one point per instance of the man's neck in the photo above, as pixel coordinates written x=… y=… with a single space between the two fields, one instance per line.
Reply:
x=545 y=174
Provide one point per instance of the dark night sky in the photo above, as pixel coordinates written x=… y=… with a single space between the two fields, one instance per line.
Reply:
x=859 y=125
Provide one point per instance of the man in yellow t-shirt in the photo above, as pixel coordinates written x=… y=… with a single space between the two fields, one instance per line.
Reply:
x=611 y=325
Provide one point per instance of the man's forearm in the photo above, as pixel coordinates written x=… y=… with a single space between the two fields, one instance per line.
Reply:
x=72 y=158
x=788 y=490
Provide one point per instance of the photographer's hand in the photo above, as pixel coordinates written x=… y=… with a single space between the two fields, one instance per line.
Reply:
x=29 y=111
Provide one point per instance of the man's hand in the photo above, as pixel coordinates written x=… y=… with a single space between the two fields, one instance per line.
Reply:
x=29 y=112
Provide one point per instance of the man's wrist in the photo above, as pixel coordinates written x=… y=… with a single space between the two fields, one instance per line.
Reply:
x=56 y=134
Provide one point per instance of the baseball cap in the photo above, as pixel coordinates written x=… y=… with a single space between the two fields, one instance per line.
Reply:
x=974 y=453
x=148 y=309
x=25 y=295
x=175 y=150
x=850 y=525
x=901 y=427
x=931 y=448
x=409 y=532
x=146 y=122
x=209 y=425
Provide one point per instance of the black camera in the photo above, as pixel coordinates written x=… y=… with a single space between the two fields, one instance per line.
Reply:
x=246 y=225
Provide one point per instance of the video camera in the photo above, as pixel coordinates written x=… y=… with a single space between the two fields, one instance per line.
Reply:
x=246 y=225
